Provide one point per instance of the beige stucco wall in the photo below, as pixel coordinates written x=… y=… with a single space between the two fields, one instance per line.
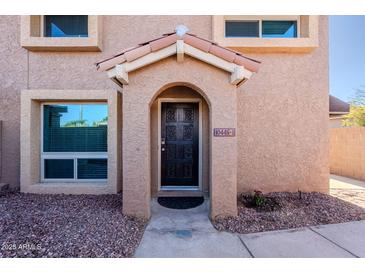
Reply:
x=283 y=122
x=282 y=117
x=347 y=154
x=13 y=78
x=179 y=92
x=22 y=69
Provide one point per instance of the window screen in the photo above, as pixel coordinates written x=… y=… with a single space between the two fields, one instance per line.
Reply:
x=65 y=26
x=279 y=29
x=242 y=28
x=75 y=128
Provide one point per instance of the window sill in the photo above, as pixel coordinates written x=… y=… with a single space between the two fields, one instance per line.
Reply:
x=34 y=42
x=70 y=188
x=61 y=44
x=268 y=45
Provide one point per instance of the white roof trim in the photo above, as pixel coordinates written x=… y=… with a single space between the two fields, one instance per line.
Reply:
x=238 y=73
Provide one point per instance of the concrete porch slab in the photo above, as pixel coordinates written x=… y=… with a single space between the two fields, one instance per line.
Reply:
x=189 y=233
x=166 y=219
x=296 y=243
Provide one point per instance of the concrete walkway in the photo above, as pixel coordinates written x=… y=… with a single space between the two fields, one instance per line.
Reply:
x=347 y=189
x=189 y=233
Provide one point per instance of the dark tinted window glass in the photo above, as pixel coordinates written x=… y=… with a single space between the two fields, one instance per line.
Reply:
x=92 y=168
x=279 y=29
x=65 y=26
x=75 y=128
x=58 y=169
x=242 y=28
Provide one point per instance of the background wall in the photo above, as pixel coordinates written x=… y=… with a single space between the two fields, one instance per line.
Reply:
x=347 y=152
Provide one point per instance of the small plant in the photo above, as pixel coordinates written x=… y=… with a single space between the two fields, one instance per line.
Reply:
x=259 y=201
x=259 y=198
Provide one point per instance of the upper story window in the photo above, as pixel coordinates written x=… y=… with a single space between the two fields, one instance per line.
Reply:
x=65 y=26
x=261 y=28
x=61 y=32
x=267 y=33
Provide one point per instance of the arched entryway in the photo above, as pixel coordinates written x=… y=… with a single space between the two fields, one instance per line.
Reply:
x=145 y=85
x=180 y=164
x=152 y=70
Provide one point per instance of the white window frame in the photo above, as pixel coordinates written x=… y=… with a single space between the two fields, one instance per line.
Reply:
x=69 y=155
x=295 y=18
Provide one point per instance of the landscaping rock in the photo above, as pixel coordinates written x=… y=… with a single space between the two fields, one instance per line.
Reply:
x=38 y=225
x=294 y=210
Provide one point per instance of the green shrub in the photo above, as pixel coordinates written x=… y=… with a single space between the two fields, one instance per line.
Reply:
x=259 y=198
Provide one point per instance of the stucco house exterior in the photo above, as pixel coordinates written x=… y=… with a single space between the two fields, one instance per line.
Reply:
x=164 y=105
x=338 y=109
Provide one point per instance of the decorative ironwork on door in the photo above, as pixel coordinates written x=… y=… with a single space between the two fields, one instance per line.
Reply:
x=179 y=144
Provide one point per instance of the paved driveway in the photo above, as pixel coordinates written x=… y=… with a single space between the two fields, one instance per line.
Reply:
x=189 y=233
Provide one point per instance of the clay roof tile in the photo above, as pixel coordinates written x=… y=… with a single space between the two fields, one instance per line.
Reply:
x=133 y=53
x=163 y=42
x=222 y=53
x=197 y=42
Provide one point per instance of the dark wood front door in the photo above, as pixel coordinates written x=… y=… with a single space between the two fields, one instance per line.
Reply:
x=180 y=144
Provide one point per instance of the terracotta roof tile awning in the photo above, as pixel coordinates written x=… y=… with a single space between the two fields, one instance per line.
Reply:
x=234 y=62
x=337 y=106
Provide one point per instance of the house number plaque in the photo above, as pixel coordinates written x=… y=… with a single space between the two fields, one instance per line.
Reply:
x=224 y=132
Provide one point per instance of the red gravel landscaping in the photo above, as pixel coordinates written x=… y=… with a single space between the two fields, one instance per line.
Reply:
x=38 y=225
x=289 y=210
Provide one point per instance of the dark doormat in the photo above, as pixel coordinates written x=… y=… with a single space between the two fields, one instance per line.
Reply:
x=180 y=202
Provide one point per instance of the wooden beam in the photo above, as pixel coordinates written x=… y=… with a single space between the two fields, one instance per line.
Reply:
x=122 y=74
x=239 y=74
x=180 y=50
